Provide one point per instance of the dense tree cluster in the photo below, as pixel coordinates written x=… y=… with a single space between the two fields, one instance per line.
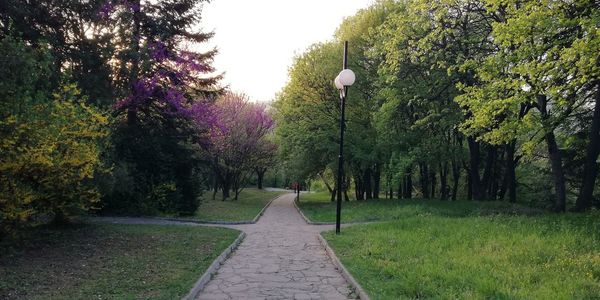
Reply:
x=484 y=99
x=107 y=105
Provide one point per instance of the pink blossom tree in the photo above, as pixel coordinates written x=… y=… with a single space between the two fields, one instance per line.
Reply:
x=239 y=141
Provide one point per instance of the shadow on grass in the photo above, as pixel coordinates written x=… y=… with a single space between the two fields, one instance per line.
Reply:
x=86 y=261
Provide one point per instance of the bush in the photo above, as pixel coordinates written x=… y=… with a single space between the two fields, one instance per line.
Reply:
x=49 y=147
x=155 y=168
x=47 y=161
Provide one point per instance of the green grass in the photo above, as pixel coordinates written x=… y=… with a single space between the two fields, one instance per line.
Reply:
x=246 y=208
x=110 y=262
x=465 y=250
x=318 y=208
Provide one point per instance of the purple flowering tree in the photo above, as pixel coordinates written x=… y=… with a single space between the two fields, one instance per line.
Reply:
x=165 y=108
x=154 y=68
x=239 y=141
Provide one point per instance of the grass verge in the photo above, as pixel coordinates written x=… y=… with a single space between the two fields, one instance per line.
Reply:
x=246 y=208
x=104 y=261
x=466 y=250
x=318 y=208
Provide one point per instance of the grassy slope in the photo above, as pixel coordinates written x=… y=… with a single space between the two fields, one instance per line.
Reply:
x=111 y=261
x=249 y=204
x=465 y=250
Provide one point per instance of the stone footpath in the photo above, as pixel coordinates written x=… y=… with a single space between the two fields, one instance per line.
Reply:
x=280 y=258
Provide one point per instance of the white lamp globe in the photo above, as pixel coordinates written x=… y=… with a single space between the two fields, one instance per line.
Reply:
x=338 y=83
x=347 y=77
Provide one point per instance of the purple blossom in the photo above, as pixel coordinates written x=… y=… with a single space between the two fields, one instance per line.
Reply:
x=176 y=99
x=241 y=127
x=105 y=10
x=158 y=51
x=166 y=89
x=142 y=92
x=132 y=6
x=204 y=116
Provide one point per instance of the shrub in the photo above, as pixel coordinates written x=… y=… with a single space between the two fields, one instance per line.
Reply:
x=49 y=142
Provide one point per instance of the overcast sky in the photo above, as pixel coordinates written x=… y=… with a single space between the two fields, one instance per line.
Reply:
x=257 y=39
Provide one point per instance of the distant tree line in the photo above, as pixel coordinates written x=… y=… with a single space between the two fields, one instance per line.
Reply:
x=105 y=105
x=482 y=100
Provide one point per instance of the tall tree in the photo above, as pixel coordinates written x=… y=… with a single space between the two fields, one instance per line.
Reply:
x=534 y=82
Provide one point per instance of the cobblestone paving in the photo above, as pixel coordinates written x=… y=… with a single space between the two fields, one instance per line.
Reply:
x=280 y=258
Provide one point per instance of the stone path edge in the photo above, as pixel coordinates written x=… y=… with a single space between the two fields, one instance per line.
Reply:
x=213 y=268
x=336 y=261
x=253 y=221
x=307 y=220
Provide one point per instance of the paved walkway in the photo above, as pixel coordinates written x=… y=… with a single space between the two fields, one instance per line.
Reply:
x=280 y=258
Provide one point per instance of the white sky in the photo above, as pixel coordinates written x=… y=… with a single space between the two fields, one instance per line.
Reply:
x=257 y=39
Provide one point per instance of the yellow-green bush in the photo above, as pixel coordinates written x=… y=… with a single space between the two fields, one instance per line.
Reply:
x=47 y=157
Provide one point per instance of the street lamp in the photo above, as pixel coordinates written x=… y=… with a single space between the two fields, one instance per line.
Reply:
x=344 y=79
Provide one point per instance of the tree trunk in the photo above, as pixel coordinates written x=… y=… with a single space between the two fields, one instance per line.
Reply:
x=376 y=181
x=367 y=184
x=455 y=179
x=488 y=172
x=433 y=181
x=496 y=176
x=554 y=157
x=424 y=178
x=260 y=174
x=469 y=185
x=401 y=186
x=358 y=187
x=237 y=191
x=557 y=172
x=509 y=183
x=226 y=185
x=326 y=183
x=135 y=58
x=333 y=192
x=408 y=184
x=216 y=186
x=444 y=181
x=474 y=160
x=346 y=186
x=590 y=169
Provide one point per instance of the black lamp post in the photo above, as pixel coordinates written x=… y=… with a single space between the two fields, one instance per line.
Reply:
x=344 y=79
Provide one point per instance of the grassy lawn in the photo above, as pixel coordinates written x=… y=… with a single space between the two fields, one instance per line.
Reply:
x=110 y=262
x=465 y=250
x=249 y=204
x=318 y=208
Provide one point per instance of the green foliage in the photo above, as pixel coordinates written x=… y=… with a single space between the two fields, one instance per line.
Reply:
x=156 y=168
x=109 y=48
x=65 y=29
x=434 y=78
x=48 y=161
x=306 y=112
x=50 y=142
x=543 y=47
